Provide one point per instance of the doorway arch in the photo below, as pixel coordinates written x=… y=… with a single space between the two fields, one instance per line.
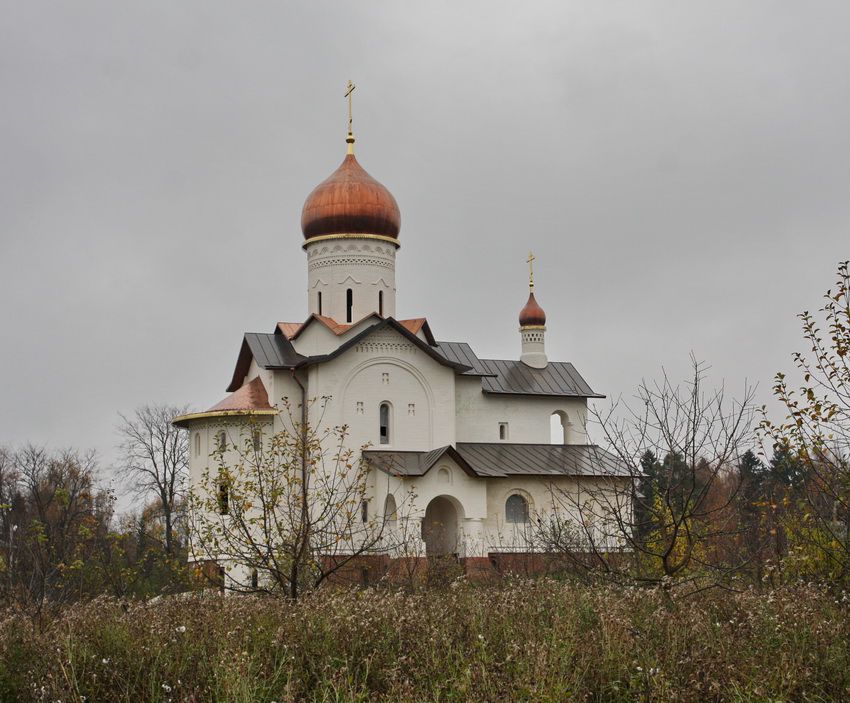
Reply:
x=441 y=527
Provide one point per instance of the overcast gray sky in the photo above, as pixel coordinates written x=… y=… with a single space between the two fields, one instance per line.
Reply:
x=680 y=170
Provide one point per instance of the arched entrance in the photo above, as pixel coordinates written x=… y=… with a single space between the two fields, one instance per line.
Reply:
x=440 y=527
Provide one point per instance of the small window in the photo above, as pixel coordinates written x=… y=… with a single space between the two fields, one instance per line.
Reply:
x=364 y=510
x=503 y=430
x=197 y=444
x=258 y=440
x=516 y=509
x=381 y=303
x=349 y=304
x=221 y=438
x=390 y=511
x=319 y=301
x=223 y=495
x=221 y=577
x=558 y=424
x=255 y=579
x=385 y=423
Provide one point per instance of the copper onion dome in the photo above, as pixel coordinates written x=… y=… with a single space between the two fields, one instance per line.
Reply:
x=532 y=314
x=350 y=201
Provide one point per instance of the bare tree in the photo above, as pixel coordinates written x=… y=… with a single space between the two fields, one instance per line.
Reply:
x=285 y=510
x=662 y=513
x=156 y=461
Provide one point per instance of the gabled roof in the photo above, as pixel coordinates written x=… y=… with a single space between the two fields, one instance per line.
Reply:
x=509 y=376
x=387 y=323
x=500 y=459
x=275 y=350
x=416 y=324
x=270 y=351
x=291 y=330
x=413 y=463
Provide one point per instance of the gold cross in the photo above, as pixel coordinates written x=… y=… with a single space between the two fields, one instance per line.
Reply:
x=530 y=270
x=348 y=93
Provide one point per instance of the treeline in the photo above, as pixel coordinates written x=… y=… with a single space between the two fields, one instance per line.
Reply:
x=713 y=493
x=62 y=541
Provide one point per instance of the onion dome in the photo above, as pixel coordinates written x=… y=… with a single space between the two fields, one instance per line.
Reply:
x=350 y=201
x=532 y=314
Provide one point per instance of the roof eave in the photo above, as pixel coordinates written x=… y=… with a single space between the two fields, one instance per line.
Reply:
x=183 y=421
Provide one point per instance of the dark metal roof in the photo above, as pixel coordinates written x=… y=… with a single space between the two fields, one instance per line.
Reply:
x=272 y=351
x=413 y=463
x=393 y=324
x=503 y=459
x=275 y=351
x=462 y=353
x=559 y=378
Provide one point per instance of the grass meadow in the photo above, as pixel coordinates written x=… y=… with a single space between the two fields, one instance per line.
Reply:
x=537 y=640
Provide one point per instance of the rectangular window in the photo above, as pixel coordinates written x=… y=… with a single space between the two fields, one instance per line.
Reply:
x=320 y=302
x=364 y=510
x=349 y=304
x=258 y=441
x=503 y=430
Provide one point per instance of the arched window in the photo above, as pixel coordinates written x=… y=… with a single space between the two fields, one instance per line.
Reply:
x=258 y=440
x=197 y=444
x=319 y=300
x=558 y=424
x=349 y=304
x=390 y=511
x=221 y=438
x=223 y=494
x=255 y=578
x=384 y=422
x=381 y=303
x=516 y=509
x=364 y=510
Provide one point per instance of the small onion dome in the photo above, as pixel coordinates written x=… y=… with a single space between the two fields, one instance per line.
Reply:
x=350 y=201
x=532 y=314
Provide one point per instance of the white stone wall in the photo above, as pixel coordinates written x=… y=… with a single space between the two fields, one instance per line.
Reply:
x=387 y=367
x=528 y=417
x=366 y=266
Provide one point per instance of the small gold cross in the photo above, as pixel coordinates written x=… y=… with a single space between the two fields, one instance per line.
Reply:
x=530 y=270
x=348 y=93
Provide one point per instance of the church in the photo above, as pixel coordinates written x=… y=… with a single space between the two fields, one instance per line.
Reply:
x=467 y=443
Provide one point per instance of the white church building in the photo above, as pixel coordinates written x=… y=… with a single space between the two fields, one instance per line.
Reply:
x=469 y=438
